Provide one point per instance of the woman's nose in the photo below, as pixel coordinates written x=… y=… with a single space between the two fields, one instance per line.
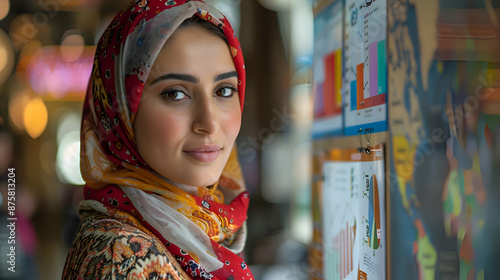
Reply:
x=205 y=119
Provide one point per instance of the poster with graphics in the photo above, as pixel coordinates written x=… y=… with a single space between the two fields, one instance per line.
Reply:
x=354 y=215
x=365 y=66
x=327 y=71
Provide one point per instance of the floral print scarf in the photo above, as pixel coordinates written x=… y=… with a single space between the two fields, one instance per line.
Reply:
x=204 y=228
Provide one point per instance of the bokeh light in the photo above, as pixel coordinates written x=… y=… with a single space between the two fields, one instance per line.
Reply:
x=22 y=30
x=26 y=53
x=68 y=159
x=6 y=56
x=68 y=148
x=17 y=105
x=52 y=76
x=35 y=117
x=4 y=8
x=72 y=46
x=3 y=57
x=69 y=122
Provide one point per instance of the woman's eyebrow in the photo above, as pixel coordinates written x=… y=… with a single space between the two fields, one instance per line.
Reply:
x=224 y=76
x=174 y=76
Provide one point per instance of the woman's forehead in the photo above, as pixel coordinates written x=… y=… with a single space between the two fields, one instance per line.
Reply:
x=194 y=45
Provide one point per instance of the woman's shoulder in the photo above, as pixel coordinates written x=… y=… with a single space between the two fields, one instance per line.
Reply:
x=107 y=246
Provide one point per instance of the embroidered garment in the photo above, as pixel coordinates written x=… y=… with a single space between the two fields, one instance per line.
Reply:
x=203 y=228
x=120 y=247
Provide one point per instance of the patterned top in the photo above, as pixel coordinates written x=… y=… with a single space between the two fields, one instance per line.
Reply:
x=110 y=248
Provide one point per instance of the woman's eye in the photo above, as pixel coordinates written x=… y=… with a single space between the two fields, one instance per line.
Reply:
x=175 y=94
x=226 y=91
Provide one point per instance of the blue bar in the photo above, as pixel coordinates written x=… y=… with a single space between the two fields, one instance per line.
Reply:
x=354 y=92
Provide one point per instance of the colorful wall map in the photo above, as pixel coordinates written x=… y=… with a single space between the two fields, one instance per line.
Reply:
x=445 y=159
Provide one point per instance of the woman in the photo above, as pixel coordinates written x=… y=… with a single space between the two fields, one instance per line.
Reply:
x=165 y=197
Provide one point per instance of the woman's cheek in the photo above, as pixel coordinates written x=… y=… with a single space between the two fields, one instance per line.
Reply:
x=171 y=126
x=233 y=125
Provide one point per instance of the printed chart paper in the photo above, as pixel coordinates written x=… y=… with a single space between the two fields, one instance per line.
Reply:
x=327 y=71
x=365 y=66
x=353 y=201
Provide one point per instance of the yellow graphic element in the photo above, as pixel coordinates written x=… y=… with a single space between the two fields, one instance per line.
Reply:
x=440 y=67
x=425 y=253
x=338 y=78
x=480 y=223
x=404 y=167
x=480 y=275
x=455 y=192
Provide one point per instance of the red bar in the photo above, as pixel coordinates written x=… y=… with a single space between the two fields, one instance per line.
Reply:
x=374 y=101
x=329 y=84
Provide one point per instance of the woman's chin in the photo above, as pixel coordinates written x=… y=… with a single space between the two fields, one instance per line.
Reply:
x=199 y=182
x=206 y=183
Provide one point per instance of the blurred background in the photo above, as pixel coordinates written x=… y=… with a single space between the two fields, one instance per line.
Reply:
x=46 y=52
x=443 y=73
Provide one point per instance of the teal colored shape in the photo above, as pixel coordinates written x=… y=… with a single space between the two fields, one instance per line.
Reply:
x=382 y=67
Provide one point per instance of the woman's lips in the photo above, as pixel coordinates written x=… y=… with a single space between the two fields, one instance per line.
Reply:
x=205 y=153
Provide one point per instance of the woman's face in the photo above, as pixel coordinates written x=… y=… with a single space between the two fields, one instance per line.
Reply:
x=189 y=114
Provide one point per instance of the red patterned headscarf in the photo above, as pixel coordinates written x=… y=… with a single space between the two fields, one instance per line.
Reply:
x=204 y=228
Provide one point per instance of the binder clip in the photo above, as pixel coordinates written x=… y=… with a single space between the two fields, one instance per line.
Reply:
x=368 y=133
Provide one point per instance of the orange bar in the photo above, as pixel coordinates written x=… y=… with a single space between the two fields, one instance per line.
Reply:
x=360 y=89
